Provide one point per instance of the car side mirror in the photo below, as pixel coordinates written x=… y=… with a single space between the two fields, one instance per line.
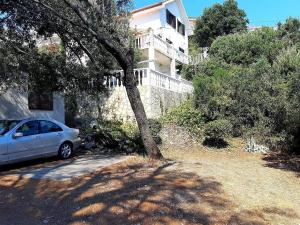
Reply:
x=17 y=135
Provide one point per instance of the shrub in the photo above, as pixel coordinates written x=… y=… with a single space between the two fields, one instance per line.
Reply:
x=247 y=48
x=187 y=116
x=130 y=129
x=216 y=131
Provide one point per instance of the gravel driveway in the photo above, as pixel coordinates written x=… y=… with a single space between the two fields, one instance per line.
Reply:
x=64 y=170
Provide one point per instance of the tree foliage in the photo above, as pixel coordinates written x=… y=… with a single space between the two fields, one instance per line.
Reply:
x=219 y=20
x=247 y=48
x=252 y=80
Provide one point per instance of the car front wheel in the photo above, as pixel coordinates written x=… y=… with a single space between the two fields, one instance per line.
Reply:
x=65 y=151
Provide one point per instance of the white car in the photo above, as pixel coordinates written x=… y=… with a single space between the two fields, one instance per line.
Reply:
x=27 y=139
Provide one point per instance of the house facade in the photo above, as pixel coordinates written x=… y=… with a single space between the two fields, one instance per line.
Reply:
x=161 y=37
x=23 y=104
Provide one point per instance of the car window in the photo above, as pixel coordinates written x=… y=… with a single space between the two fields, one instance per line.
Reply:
x=29 y=128
x=7 y=125
x=49 y=127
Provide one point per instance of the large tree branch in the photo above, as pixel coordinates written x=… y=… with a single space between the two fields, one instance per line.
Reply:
x=85 y=49
x=57 y=14
x=105 y=40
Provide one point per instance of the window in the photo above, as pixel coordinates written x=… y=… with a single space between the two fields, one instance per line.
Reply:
x=40 y=100
x=29 y=128
x=7 y=125
x=180 y=28
x=181 y=49
x=49 y=127
x=169 y=41
x=171 y=19
x=137 y=43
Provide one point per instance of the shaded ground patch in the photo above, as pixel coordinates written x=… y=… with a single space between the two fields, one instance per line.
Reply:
x=283 y=161
x=197 y=187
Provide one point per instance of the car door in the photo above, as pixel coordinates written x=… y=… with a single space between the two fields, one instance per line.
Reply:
x=51 y=136
x=28 y=145
x=3 y=150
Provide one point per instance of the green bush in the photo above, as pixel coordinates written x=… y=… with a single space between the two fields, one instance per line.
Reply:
x=253 y=80
x=155 y=127
x=216 y=131
x=187 y=116
x=130 y=129
x=247 y=48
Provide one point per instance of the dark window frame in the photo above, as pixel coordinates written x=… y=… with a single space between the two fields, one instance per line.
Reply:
x=169 y=41
x=180 y=28
x=38 y=100
x=171 y=19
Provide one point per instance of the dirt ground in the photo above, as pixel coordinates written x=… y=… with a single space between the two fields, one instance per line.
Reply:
x=192 y=187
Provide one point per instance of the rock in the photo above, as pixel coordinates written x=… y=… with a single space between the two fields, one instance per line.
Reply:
x=175 y=137
x=89 y=143
x=252 y=147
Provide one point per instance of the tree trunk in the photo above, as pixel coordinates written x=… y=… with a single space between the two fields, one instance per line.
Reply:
x=140 y=114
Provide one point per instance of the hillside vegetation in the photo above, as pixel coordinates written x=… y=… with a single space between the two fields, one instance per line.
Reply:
x=250 y=86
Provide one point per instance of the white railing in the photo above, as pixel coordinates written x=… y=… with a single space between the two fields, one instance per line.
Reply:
x=146 y=40
x=148 y=77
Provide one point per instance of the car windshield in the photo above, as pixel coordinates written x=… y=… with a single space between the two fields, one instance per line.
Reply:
x=7 y=125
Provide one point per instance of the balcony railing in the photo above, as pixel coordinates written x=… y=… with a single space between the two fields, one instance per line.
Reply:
x=145 y=41
x=149 y=77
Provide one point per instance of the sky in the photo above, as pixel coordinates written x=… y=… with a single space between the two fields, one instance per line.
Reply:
x=259 y=12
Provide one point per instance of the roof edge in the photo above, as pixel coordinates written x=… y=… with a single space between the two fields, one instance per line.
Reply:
x=147 y=7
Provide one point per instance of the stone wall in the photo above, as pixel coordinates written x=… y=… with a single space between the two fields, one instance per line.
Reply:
x=156 y=101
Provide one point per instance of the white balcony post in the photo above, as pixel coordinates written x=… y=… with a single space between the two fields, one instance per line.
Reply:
x=148 y=79
x=173 y=67
x=139 y=77
x=151 y=57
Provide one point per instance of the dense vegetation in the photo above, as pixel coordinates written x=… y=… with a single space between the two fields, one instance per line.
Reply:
x=252 y=80
x=219 y=20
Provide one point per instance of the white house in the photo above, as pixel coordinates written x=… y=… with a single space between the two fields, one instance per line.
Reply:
x=161 y=34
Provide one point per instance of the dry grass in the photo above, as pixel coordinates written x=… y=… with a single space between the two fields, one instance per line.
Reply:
x=192 y=187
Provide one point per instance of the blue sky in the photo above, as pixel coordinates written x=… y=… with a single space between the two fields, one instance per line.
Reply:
x=259 y=12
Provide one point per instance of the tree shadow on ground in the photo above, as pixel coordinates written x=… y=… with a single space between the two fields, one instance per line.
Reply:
x=137 y=193
x=283 y=161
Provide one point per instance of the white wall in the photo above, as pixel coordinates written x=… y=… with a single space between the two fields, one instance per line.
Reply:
x=14 y=105
x=156 y=19
x=171 y=33
x=146 y=21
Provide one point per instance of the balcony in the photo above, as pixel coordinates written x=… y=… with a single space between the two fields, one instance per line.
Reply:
x=145 y=41
x=149 y=77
